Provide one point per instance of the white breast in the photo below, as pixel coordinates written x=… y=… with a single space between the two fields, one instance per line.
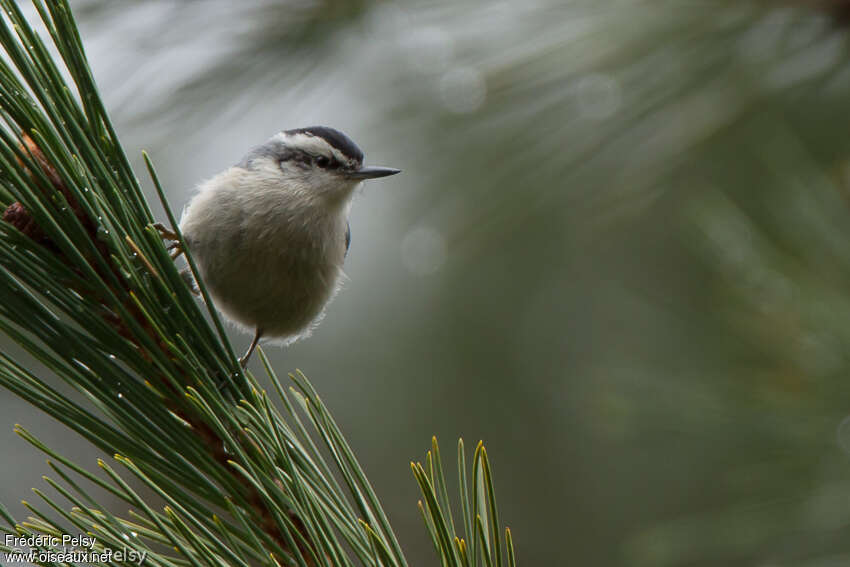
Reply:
x=271 y=256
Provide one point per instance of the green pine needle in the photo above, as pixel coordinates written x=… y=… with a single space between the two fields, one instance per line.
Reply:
x=477 y=506
x=91 y=292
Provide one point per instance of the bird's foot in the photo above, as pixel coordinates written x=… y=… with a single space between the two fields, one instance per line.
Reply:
x=186 y=275
x=167 y=234
x=176 y=250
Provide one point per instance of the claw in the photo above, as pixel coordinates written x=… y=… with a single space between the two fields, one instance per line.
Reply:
x=166 y=233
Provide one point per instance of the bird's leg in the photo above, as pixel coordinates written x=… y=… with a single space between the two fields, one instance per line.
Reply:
x=168 y=234
x=244 y=360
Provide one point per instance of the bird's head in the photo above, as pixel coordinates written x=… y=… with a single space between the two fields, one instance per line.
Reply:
x=318 y=161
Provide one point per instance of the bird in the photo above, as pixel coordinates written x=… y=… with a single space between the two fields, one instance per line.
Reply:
x=269 y=235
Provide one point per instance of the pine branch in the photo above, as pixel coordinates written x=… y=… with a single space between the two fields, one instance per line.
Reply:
x=92 y=293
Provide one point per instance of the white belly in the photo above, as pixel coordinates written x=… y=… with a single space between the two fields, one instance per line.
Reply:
x=265 y=264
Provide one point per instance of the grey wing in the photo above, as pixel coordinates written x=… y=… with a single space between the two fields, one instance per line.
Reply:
x=347 y=237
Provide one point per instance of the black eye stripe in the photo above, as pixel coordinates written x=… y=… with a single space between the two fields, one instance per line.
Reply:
x=326 y=162
x=305 y=160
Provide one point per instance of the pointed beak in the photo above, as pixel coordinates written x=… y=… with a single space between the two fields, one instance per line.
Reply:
x=367 y=172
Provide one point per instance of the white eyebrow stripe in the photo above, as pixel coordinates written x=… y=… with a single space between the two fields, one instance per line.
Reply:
x=312 y=145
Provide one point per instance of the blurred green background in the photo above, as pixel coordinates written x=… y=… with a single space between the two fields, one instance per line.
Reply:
x=619 y=252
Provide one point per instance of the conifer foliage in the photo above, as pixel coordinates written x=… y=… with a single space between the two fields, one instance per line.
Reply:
x=235 y=475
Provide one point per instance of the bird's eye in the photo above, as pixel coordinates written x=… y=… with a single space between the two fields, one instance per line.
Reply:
x=322 y=161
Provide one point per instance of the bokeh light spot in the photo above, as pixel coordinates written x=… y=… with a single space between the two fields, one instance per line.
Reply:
x=842 y=434
x=423 y=251
x=598 y=96
x=463 y=90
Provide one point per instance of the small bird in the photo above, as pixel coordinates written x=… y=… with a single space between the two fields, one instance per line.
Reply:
x=270 y=234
